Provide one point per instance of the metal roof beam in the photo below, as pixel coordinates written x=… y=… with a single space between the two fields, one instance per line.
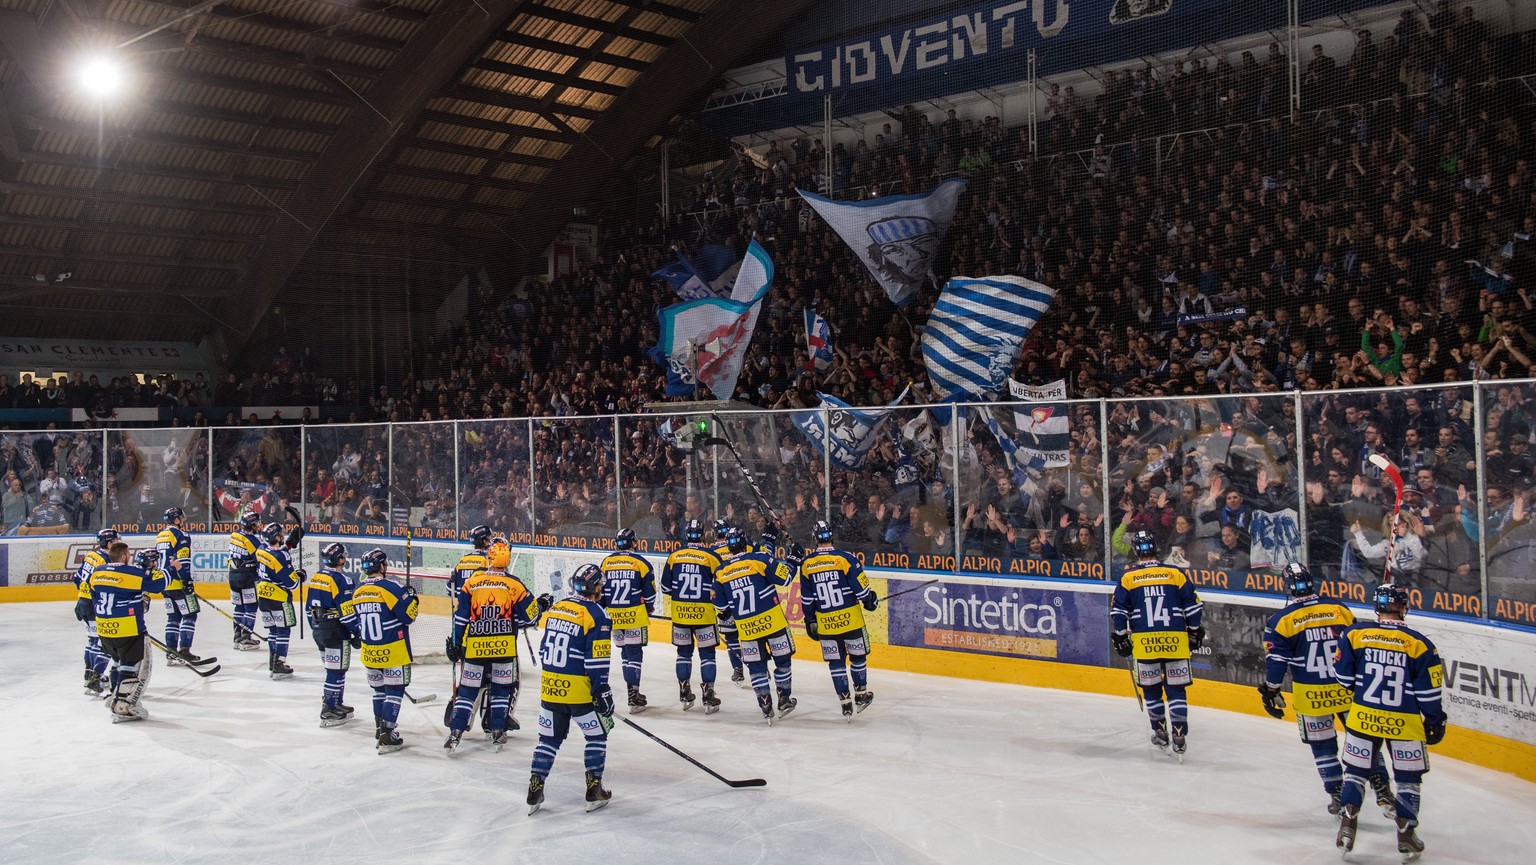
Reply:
x=456 y=32
x=148 y=169
x=457 y=177
x=563 y=78
x=666 y=9
x=132 y=199
x=577 y=20
x=550 y=45
x=119 y=258
x=247 y=85
x=143 y=230
x=123 y=289
x=490 y=153
x=234 y=13
x=517 y=102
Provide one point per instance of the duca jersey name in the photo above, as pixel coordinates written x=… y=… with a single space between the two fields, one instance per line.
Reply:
x=1004 y=614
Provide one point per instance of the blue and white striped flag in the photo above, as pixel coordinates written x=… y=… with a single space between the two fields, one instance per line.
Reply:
x=1024 y=465
x=818 y=340
x=975 y=331
x=897 y=237
x=852 y=432
x=706 y=340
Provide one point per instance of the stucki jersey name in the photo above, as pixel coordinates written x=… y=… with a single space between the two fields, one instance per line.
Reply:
x=1004 y=614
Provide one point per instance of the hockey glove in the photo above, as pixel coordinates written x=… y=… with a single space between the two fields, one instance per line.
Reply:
x=453 y=649
x=1196 y=637
x=544 y=602
x=810 y=626
x=295 y=535
x=602 y=701
x=408 y=595
x=83 y=609
x=1122 y=644
x=871 y=601
x=1274 y=701
x=770 y=538
x=301 y=575
x=794 y=555
x=356 y=643
x=1434 y=732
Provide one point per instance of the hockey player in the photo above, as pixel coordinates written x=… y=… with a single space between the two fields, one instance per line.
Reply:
x=470 y=563
x=688 y=578
x=117 y=596
x=174 y=547
x=832 y=589
x=629 y=595
x=244 y=543
x=95 y=659
x=330 y=588
x=1393 y=674
x=491 y=607
x=746 y=589
x=1156 y=618
x=276 y=583
x=380 y=613
x=573 y=685
x=727 y=625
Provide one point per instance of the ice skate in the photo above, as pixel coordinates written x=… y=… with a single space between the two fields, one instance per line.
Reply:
x=738 y=677
x=123 y=711
x=279 y=668
x=1335 y=804
x=1349 y=820
x=1178 y=744
x=597 y=795
x=846 y=700
x=333 y=716
x=685 y=695
x=711 y=702
x=786 y=703
x=535 y=793
x=1408 y=842
x=637 y=701
x=1160 y=735
x=498 y=740
x=451 y=744
x=862 y=697
x=174 y=659
x=389 y=741
x=92 y=684
x=765 y=705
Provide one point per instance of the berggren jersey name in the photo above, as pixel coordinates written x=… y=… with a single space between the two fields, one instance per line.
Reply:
x=1004 y=614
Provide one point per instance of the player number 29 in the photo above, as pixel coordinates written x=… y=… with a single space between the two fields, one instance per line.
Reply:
x=692 y=584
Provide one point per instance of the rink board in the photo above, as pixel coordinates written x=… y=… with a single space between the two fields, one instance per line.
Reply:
x=1037 y=632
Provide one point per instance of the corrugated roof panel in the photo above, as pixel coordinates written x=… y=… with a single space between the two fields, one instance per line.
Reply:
x=248 y=32
x=418 y=158
x=381 y=26
x=434 y=131
x=48 y=207
x=522 y=55
x=357 y=55
x=61 y=141
x=577 y=124
x=266 y=199
x=149 y=216
x=222 y=131
x=125 y=243
x=394 y=211
x=234 y=67
x=506 y=83
x=161 y=187
x=635 y=49
x=275 y=169
x=70 y=176
x=216 y=250
x=18 y=233
x=175 y=157
x=237 y=223
x=422 y=187
x=575 y=36
x=662 y=25
x=519 y=171
x=315 y=112
x=541 y=147
x=500 y=197
x=601 y=9
x=140 y=13
x=292 y=139
x=318 y=15
x=583 y=99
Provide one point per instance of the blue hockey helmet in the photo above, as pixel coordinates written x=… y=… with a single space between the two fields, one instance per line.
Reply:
x=147 y=558
x=1143 y=544
x=173 y=514
x=332 y=555
x=587 y=581
x=822 y=532
x=105 y=537
x=374 y=562
x=1298 y=580
x=249 y=519
x=1391 y=600
x=694 y=531
x=721 y=527
x=480 y=536
x=272 y=533
x=735 y=540
x=624 y=540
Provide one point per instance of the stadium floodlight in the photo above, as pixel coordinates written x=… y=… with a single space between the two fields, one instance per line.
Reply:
x=101 y=76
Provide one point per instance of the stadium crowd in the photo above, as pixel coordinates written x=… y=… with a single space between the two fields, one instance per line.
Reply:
x=1379 y=236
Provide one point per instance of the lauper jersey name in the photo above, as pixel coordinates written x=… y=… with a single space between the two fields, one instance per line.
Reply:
x=978 y=33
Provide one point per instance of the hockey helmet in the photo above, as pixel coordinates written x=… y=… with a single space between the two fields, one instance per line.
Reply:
x=249 y=519
x=374 y=562
x=1143 y=544
x=105 y=537
x=173 y=515
x=480 y=536
x=1298 y=580
x=694 y=531
x=735 y=540
x=624 y=540
x=333 y=555
x=1391 y=600
x=822 y=532
x=147 y=558
x=499 y=555
x=587 y=581
x=721 y=527
x=272 y=533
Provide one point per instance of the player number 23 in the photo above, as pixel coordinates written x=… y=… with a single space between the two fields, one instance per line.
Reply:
x=1386 y=684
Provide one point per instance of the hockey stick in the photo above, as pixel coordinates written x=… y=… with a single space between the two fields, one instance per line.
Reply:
x=424 y=698
x=196 y=668
x=1141 y=705
x=745 y=473
x=911 y=590
x=1390 y=470
x=749 y=782
x=296 y=538
x=221 y=611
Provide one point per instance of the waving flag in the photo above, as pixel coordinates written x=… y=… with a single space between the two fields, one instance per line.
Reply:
x=852 y=429
x=818 y=340
x=709 y=337
x=1023 y=464
x=1045 y=432
x=897 y=237
x=975 y=331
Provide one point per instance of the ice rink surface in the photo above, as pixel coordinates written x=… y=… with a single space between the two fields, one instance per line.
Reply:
x=235 y=769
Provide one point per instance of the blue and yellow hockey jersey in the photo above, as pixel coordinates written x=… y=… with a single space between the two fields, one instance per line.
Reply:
x=1157 y=605
x=574 y=653
x=1393 y=674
